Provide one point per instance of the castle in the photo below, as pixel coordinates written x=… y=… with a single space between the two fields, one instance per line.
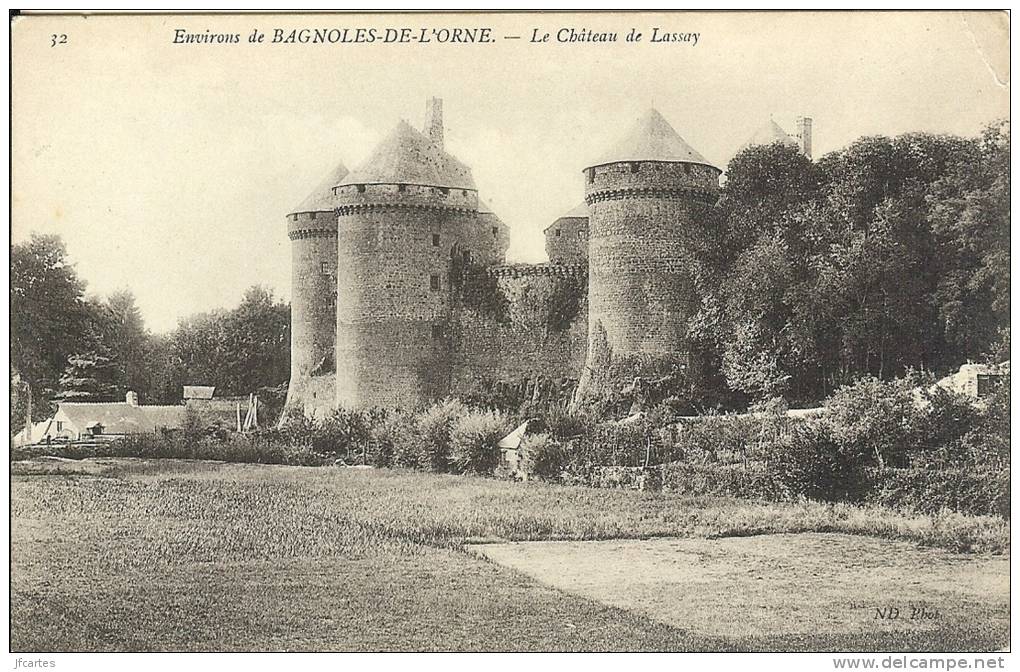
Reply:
x=402 y=293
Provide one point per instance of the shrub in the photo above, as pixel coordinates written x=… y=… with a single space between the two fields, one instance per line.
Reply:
x=396 y=442
x=717 y=438
x=748 y=481
x=966 y=491
x=434 y=426
x=473 y=439
x=542 y=457
x=881 y=419
x=811 y=463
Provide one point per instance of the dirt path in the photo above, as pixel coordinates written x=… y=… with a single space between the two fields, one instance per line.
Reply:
x=774 y=584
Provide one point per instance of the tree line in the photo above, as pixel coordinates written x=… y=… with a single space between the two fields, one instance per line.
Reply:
x=888 y=255
x=67 y=345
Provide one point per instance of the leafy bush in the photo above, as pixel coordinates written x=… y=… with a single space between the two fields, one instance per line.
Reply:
x=396 y=443
x=881 y=419
x=747 y=481
x=718 y=438
x=434 y=426
x=933 y=490
x=542 y=456
x=810 y=462
x=473 y=439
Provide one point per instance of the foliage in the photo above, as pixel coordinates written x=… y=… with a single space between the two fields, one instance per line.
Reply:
x=969 y=491
x=880 y=419
x=48 y=315
x=89 y=376
x=473 y=439
x=565 y=301
x=542 y=457
x=481 y=291
x=435 y=424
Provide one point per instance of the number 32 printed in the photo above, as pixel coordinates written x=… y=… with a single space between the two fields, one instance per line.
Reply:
x=57 y=39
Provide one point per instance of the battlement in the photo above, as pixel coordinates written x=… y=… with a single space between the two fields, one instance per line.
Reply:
x=354 y=197
x=535 y=270
x=651 y=179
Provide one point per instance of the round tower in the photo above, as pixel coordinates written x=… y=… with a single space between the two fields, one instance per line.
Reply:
x=643 y=195
x=311 y=228
x=407 y=218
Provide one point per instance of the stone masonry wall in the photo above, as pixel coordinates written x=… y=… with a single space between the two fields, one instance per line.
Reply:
x=520 y=347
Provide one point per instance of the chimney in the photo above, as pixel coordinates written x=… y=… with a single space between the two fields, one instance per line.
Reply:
x=804 y=135
x=131 y=398
x=434 y=120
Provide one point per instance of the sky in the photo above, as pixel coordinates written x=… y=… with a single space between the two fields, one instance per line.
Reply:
x=168 y=168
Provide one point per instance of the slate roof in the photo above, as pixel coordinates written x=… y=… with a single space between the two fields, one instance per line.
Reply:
x=321 y=199
x=580 y=211
x=122 y=418
x=199 y=391
x=407 y=156
x=652 y=139
x=769 y=133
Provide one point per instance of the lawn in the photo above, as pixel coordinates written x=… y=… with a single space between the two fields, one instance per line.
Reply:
x=127 y=555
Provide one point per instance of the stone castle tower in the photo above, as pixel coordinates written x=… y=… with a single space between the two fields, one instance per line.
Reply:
x=407 y=219
x=311 y=228
x=642 y=195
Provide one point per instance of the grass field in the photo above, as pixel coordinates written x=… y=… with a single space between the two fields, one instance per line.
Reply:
x=173 y=555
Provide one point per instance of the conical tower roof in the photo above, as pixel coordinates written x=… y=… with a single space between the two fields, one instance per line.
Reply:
x=407 y=156
x=321 y=200
x=652 y=139
x=769 y=133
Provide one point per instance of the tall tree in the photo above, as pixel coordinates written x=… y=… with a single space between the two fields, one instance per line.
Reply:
x=48 y=316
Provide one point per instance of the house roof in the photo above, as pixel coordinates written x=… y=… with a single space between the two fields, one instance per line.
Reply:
x=120 y=417
x=199 y=391
x=652 y=139
x=321 y=199
x=579 y=211
x=407 y=156
x=768 y=134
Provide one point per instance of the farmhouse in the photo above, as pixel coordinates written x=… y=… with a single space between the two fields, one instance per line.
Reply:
x=84 y=420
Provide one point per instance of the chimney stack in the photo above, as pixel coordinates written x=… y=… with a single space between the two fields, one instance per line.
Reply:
x=804 y=135
x=131 y=398
x=434 y=120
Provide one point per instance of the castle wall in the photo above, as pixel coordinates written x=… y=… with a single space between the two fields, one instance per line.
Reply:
x=395 y=252
x=640 y=292
x=566 y=241
x=526 y=342
x=313 y=303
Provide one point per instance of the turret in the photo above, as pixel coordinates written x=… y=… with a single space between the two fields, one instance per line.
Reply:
x=566 y=239
x=407 y=219
x=311 y=227
x=644 y=195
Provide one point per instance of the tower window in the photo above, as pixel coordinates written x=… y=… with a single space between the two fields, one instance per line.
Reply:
x=687 y=168
x=434 y=282
x=401 y=188
x=435 y=240
x=444 y=190
x=311 y=215
x=295 y=217
x=580 y=235
x=635 y=167
x=590 y=174
x=324 y=268
x=467 y=256
x=361 y=188
x=557 y=233
x=495 y=230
